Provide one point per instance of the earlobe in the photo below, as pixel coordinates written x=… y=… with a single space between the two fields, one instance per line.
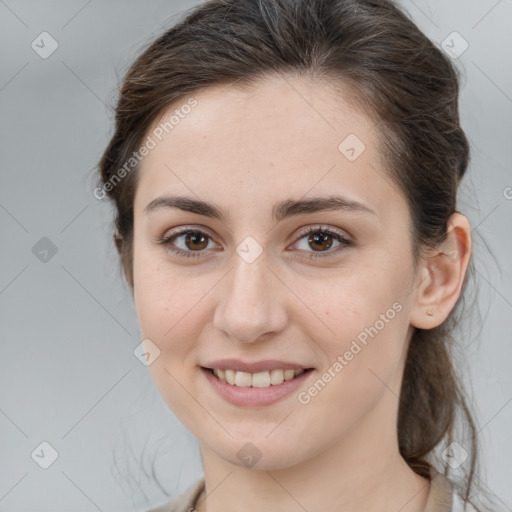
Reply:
x=440 y=282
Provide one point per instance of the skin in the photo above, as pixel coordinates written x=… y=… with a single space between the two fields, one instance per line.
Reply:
x=244 y=151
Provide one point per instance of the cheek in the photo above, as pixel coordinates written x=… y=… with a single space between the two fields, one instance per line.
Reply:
x=367 y=315
x=166 y=308
x=358 y=376
x=172 y=307
x=158 y=301
x=362 y=306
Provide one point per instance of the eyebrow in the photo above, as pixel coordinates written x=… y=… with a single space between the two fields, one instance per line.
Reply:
x=281 y=210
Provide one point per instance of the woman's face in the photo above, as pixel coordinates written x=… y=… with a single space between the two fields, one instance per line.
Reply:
x=253 y=287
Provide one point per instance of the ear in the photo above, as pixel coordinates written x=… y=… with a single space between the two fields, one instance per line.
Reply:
x=441 y=276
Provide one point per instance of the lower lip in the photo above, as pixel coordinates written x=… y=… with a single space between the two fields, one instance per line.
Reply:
x=250 y=396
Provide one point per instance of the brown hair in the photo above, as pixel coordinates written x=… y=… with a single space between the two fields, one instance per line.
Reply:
x=398 y=76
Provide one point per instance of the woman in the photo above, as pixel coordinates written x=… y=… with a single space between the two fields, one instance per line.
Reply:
x=285 y=178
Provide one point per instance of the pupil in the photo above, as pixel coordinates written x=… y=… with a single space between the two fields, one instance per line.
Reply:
x=318 y=239
x=196 y=238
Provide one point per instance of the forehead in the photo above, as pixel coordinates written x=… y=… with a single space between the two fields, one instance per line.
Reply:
x=281 y=137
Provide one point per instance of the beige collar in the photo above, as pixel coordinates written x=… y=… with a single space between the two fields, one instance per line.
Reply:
x=440 y=497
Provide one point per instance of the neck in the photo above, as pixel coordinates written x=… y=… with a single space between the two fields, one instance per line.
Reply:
x=362 y=472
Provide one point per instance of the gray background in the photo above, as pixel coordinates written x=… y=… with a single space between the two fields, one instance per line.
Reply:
x=68 y=374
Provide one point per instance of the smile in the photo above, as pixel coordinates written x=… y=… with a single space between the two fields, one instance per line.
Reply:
x=261 y=388
x=256 y=380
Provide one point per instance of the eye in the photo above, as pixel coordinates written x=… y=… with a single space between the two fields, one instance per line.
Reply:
x=321 y=239
x=192 y=242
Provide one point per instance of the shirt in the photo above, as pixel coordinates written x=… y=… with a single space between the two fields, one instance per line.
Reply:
x=442 y=497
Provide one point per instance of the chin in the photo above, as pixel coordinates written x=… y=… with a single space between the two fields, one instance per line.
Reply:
x=261 y=454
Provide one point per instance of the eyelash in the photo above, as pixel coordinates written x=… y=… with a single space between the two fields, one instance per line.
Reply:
x=167 y=242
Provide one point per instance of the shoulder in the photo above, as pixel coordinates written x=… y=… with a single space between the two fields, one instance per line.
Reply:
x=185 y=501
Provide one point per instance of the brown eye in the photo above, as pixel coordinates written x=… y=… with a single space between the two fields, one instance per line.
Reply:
x=320 y=240
x=187 y=242
x=196 y=241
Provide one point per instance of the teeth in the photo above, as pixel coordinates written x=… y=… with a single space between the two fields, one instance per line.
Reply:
x=288 y=374
x=276 y=377
x=256 y=380
x=260 y=379
x=243 y=379
x=230 y=376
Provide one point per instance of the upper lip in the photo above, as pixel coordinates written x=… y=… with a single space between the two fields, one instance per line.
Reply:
x=255 y=367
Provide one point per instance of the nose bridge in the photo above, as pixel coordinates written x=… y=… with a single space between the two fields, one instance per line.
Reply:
x=249 y=307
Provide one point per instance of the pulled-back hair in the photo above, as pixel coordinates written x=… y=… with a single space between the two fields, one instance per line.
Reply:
x=399 y=78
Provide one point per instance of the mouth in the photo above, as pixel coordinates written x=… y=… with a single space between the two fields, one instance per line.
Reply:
x=262 y=388
x=263 y=379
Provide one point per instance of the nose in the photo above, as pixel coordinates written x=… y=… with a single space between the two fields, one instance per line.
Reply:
x=250 y=308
